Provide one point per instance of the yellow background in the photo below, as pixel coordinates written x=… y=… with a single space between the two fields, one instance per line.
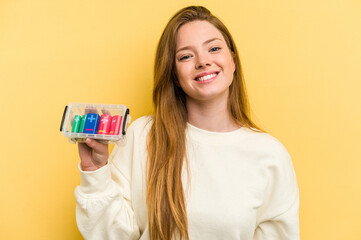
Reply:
x=302 y=65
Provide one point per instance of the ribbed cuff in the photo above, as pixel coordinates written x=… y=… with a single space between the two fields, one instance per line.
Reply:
x=98 y=181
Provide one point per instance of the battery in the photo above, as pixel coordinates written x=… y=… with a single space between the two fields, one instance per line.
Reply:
x=91 y=123
x=116 y=124
x=104 y=124
x=82 y=123
x=76 y=124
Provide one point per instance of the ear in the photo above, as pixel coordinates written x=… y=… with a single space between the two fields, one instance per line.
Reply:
x=234 y=60
x=234 y=57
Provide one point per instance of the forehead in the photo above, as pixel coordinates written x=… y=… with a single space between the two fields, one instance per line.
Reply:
x=196 y=32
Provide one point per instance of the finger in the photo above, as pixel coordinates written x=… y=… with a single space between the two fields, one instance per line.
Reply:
x=90 y=109
x=97 y=146
x=105 y=111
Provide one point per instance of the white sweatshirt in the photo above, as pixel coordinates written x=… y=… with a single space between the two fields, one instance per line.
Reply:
x=242 y=186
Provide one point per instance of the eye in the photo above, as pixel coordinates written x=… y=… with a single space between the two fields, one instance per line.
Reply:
x=214 y=49
x=185 y=57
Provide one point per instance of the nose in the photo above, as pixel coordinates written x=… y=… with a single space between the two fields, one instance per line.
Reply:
x=202 y=62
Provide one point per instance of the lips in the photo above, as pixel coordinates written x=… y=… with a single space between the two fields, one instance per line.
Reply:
x=206 y=76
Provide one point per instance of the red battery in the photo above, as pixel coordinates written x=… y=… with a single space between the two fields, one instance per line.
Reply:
x=104 y=124
x=116 y=124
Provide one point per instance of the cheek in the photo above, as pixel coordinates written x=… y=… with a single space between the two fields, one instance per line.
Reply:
x=183 y=72
x=226 y=60
x=178 y=73
x=180 y=77
x=230 y=65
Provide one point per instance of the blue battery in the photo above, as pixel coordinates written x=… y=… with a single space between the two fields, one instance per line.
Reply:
x=91 y=123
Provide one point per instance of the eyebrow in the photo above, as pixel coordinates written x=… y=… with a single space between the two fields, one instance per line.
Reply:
x=205 y=42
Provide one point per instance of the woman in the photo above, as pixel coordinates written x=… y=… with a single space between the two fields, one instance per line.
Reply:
x=199 y=168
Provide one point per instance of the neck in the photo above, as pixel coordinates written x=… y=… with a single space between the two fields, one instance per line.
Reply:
x=211 y=115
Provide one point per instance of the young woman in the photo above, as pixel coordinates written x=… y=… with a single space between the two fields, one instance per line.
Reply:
x=198 y=168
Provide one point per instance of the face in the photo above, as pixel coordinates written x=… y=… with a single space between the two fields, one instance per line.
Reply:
x=204 y=63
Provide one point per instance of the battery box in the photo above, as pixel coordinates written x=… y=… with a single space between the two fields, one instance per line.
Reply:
x=106 y=122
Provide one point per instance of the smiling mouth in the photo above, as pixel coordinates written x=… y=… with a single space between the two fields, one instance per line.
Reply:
x=206 y=77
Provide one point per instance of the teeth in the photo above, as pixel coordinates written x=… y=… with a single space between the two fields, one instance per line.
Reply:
x=207 y=77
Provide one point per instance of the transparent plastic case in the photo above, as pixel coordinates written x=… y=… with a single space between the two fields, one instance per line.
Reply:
x=106 y=122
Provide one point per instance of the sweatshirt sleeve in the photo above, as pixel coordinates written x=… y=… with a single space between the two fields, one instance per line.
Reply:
x=278 y=217
x=103 y=199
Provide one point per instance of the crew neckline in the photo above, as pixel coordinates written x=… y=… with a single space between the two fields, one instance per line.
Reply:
x=212 y=132
x=205 y=136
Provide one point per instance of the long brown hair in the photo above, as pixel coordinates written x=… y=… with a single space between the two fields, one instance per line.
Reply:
x=167 y=215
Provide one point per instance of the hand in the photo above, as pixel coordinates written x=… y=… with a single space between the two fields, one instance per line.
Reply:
x=93 y=154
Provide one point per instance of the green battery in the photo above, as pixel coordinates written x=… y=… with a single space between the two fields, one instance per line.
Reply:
x=81 y=129
x=76 y=124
